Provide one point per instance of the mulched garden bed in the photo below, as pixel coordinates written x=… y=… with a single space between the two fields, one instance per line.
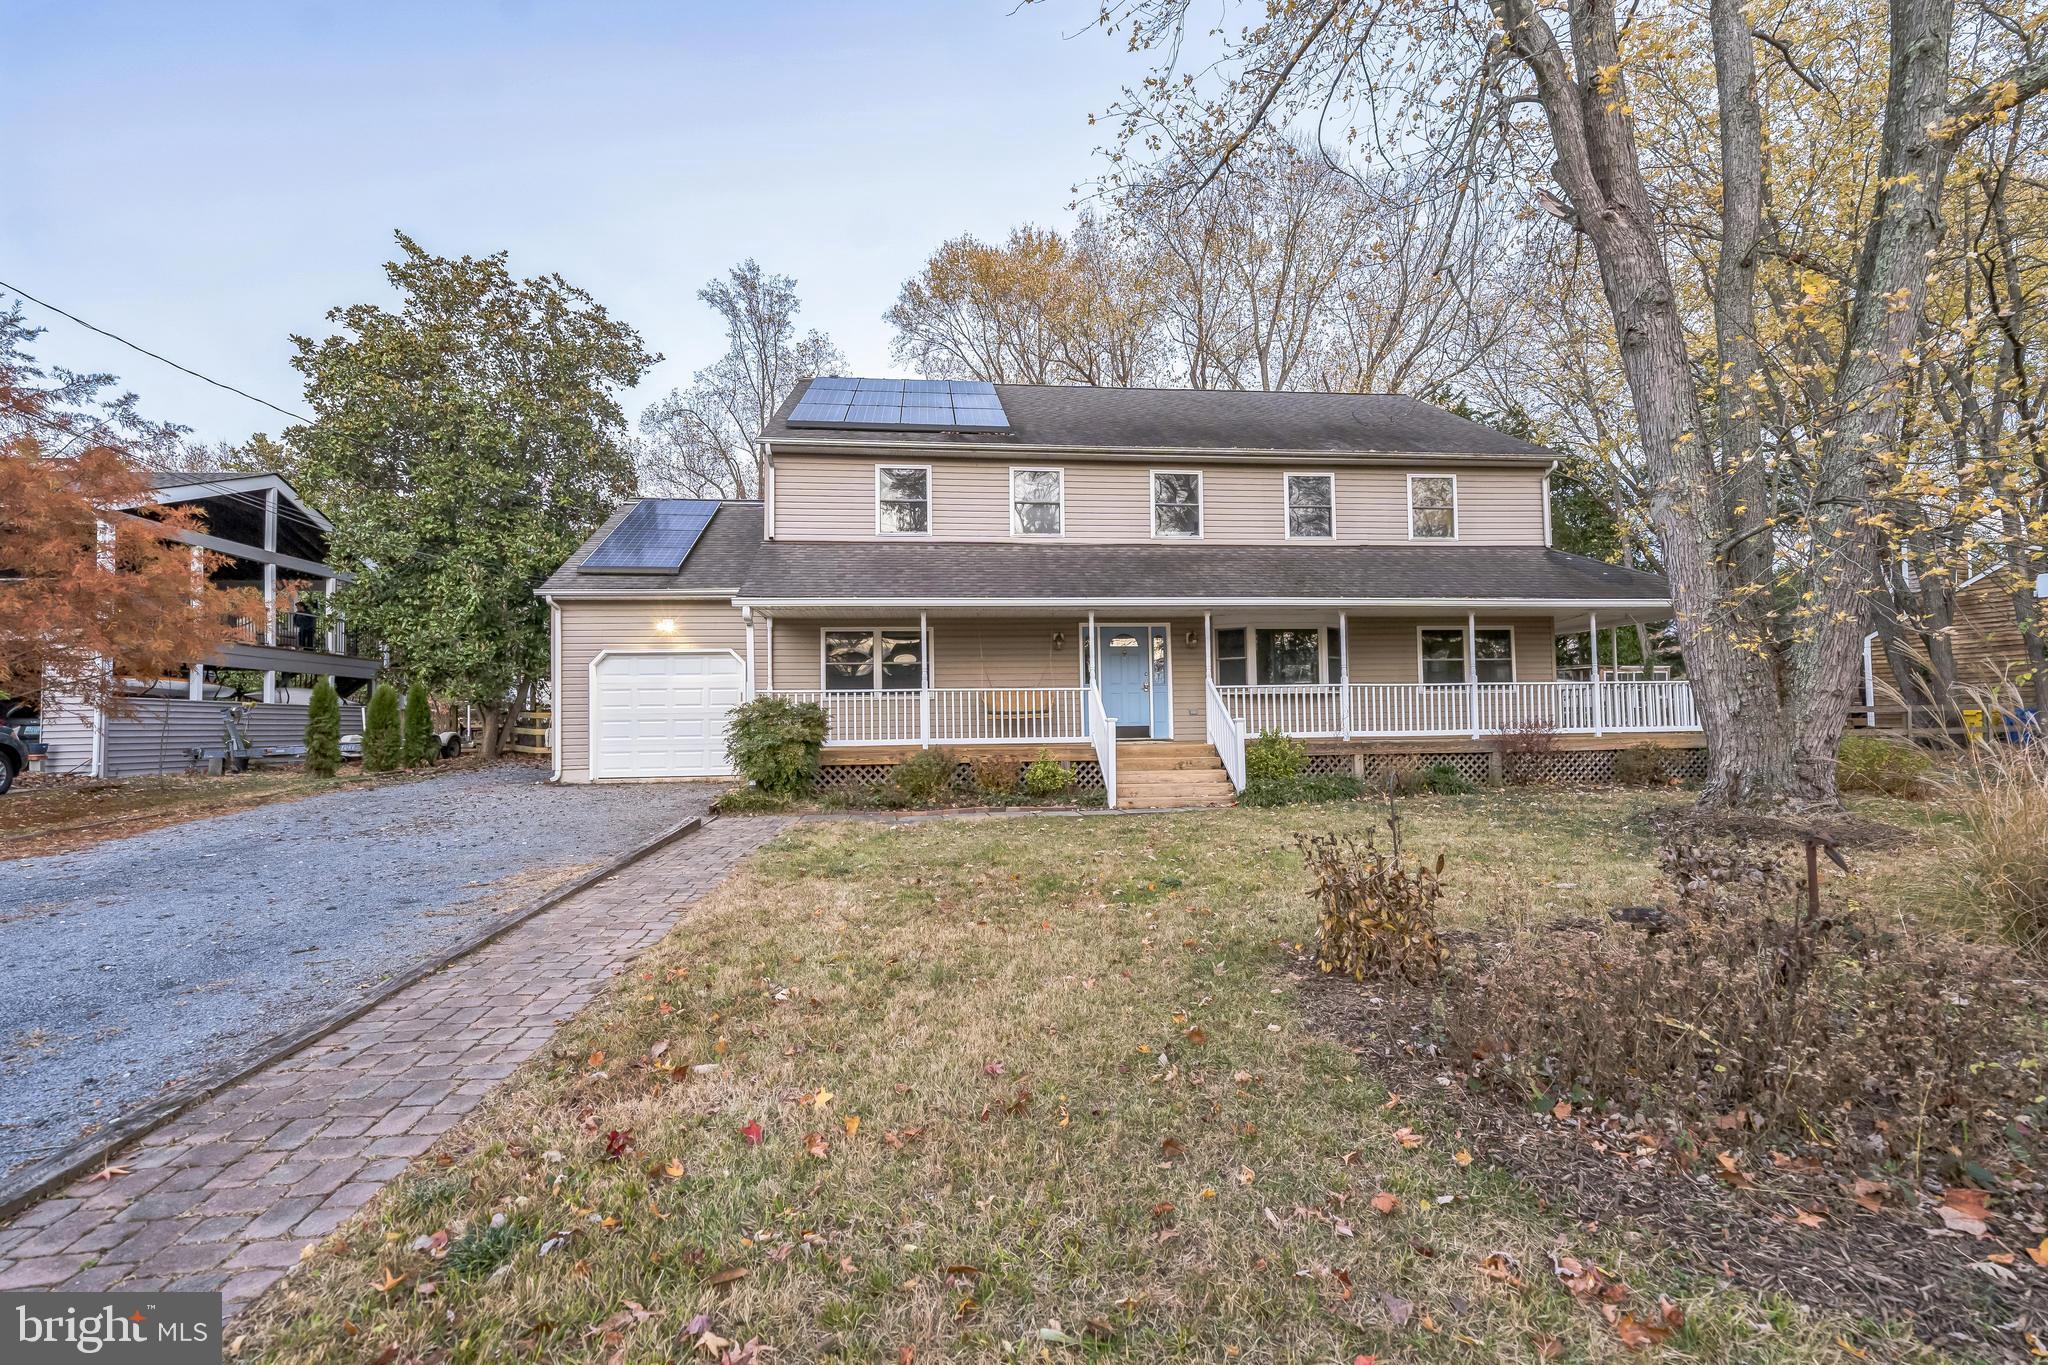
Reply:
x=1778 y=1218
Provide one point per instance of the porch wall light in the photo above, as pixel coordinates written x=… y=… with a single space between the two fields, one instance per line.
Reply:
x=1193 y=639
x=665 y=626
x=1059 y=640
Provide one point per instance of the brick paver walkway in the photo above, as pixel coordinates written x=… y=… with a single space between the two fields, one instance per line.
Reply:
x=226 y=1195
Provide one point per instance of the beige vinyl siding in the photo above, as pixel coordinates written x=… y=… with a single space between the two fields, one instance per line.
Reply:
x=1989 y=649
x=1388 y=649
x=831 y=497
x=590 y=628
x=155 y=734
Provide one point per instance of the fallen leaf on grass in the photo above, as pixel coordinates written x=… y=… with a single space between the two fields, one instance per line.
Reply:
x=815 y=1144
x=752 y=1133
x=1561 y=1110
x=1408 y=1138
x=1869 y=1194
x=725 y=1277
x=1547 y=1347
x=1462 y=1157
x=852 y=1122
x=1500 y=1266
x=596 y=1059
x=2039 y=1255
x=1852 y=1348
x=1637 y=1334
x=1965 y=1210
x=1385 y=1204
x=1400 y=1312
x=391 y=1282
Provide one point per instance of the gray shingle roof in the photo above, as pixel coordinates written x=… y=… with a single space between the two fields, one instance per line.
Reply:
x=941 y=571
x=716 y=566
x=1083 y=418
x=731 y=560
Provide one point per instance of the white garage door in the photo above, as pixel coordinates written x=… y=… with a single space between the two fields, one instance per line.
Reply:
x=663 y=715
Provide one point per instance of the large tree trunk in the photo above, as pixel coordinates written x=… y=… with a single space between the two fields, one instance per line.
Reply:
x=494 y=730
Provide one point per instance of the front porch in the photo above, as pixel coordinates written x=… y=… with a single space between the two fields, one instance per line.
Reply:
x=1219 y=678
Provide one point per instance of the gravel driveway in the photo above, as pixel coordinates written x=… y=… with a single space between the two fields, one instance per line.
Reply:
x=140 y=964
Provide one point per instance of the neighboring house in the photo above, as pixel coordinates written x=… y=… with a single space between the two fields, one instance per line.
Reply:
x=1985 y=638
x=274 y=542
x=1136 y=579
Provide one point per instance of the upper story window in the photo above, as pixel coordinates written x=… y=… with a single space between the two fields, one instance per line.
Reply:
x=1311 y=506
x=874 y=660
x=1443 y=656
x=1038 y=502
x=1432 y=507
x=903 y=500
x=1176 y=502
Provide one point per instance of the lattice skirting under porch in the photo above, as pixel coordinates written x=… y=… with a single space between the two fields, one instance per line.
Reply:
x=1590 y=766
x=854 y=776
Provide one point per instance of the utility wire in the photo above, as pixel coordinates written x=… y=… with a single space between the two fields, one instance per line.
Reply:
x=244 y=393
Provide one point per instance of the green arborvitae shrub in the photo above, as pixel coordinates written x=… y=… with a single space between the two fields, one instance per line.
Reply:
x=419 y=746
x=1890 y=767
x=380 y=730
x=323 y=730
x=775 y=743
x=1303 y=790
x=1273 y=757
x=925 y=776
x=1047 y=777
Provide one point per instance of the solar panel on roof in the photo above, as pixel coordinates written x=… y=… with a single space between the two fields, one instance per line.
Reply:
x=656 y=537
x=900 y=405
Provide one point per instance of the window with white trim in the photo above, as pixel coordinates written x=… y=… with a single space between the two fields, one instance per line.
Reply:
x=1311 y=506
x=1177 y=503
x=1443 y=656
x=885 y=660
x=903 y=500
x=1038 y=500
x=1432 y=507
x=1231 y=663
x=1290 y=655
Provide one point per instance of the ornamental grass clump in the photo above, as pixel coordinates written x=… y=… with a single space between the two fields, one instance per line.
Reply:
x=2002 y=869
x=1378 y=913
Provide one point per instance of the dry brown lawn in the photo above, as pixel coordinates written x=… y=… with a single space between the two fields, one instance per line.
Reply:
x=1019 y=1089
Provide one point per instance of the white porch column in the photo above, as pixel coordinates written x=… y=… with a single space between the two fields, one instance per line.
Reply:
x=1208 y=647
x=1472 y=670
x=1344 y=672
x=924 y=679
x=1593 y=632
x=1093 y=665
x=334 y=640
x=269 y=569
x=747 y=617
x=195 y=683
x=769 y=686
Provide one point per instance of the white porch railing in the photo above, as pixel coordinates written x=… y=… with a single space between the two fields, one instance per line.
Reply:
x=958 y=715
x=1316 y=710
x=1102 y=733
x=1226 y=734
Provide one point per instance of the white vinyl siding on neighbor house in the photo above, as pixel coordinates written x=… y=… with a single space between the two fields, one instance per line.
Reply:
x=1104 y=502
x=628 y=627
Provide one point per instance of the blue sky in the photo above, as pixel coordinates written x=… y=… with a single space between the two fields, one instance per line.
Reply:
x=207 y=178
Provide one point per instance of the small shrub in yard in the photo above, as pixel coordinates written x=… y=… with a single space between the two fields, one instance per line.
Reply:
x=994 y=774
x=1438 y=779
x=775 y=743
x=1047 y=777
x=1273 y=757
x=750 y=801
x=380 y=730
x=1525 y=748
x=925 y=776
x=1378 y=913
x=323 y=730
x=1640 y=765
x=1889 y=767
x=2003 y=797
x=1740 y=998
x=1302 y=790
x=418 y=745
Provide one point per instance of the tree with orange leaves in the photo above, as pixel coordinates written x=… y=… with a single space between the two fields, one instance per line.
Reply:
x=95 y=585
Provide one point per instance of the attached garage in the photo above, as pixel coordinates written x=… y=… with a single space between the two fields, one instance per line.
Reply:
x=663 y=714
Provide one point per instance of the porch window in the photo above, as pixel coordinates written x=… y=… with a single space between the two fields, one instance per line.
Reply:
x=1432 y=507
x=1290 y=656
x=1176 y=503
x=1038 y=500
x=1443 y=656
x=1311 y=506
x=1230 y=658
x=887 y=660
x=903 y=500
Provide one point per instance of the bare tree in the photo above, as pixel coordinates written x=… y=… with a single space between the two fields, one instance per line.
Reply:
x=703 y=443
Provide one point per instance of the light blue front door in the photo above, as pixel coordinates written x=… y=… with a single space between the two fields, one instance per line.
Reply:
x=1133 y=677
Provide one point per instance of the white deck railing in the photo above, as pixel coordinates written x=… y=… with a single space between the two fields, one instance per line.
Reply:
x=1102 y=733
x=1226 y=734
x=957 y=715
x=1319 y=710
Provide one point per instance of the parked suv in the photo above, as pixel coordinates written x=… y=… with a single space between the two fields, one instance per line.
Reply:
x=13 y=758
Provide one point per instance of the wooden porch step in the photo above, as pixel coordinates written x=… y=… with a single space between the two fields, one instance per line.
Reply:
x=1167 y=775
x=1149 y=760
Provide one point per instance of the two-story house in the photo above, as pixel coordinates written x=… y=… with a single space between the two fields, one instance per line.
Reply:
x=1136 y=579
x=274 y=544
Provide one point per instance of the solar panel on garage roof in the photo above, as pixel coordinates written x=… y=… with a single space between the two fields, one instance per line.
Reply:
x=656 y=537
x=900 y=405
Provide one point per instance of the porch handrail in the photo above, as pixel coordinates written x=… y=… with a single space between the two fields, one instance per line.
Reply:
x=1226 y=734
x=957 y=715
x=1102 y=734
